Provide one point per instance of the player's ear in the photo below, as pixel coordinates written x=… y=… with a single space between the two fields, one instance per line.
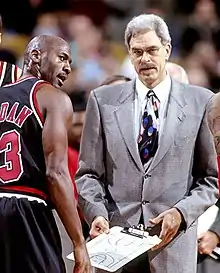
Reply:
x=35 y=56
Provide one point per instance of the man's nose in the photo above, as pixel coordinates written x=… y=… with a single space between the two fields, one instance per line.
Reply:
x=67 y=68
x=145 y=57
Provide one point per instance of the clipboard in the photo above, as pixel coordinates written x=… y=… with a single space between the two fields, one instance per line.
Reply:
x=112 y=251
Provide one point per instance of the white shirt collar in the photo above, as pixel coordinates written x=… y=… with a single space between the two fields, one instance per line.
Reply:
x=162 y=90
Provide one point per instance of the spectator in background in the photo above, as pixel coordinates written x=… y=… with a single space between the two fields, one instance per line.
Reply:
x=79 y=101
x=200 y=45
x=203 y=25
x=47 y=24
x=115 y=79
x=8 y=72
x=91 y=56
x=177 y=72
x=202 y=65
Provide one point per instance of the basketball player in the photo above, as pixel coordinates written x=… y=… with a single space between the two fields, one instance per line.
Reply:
x=8 y=72
x=34 y=119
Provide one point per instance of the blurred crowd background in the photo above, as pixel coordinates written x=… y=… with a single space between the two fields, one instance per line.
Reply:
x=95 y=31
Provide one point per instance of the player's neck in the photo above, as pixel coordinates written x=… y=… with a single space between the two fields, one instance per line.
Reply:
x=27 y=72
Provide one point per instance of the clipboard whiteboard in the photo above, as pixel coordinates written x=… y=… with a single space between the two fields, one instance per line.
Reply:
x=113 y=250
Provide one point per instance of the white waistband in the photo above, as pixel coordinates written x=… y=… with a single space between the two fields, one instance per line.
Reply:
x=17 y=195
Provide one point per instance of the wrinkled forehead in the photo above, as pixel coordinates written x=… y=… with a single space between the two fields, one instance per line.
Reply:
x=145 y=38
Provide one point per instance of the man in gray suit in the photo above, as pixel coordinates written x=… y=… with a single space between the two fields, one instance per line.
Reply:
x=147 y=155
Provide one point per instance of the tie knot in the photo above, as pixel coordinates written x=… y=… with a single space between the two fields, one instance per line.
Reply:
x=151 y=94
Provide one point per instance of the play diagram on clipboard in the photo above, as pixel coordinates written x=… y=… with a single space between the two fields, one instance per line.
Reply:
x=112 y=251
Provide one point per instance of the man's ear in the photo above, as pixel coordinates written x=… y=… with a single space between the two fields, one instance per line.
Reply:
x=35 y=56
x=0 y=37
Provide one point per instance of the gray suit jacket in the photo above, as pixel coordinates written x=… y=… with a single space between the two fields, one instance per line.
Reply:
x=111 y=179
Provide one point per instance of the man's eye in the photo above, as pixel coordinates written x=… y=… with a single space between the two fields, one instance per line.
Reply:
x=62 y=58
x=137 y=52
x=153 y=50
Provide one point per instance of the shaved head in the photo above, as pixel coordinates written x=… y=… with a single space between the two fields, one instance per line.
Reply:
x=177 y=72
x=48 y=58
x=43 y=43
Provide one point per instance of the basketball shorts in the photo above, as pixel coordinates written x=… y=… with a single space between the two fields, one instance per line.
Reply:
x=29 y=238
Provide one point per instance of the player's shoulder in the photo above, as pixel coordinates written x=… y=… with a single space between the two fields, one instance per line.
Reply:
x=215 y=100
x=53 y=97
x=216 y=97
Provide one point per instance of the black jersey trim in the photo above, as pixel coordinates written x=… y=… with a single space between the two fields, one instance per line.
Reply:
x=18 y=81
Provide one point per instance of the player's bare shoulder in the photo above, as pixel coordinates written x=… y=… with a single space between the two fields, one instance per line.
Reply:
x=214 y=102
x=213 y=113
x=52 y=99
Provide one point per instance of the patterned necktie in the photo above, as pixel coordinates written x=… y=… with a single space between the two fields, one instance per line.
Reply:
x=148 y=138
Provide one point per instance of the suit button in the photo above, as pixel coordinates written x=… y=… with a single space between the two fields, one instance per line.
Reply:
x=147 y=175
x=144 y=202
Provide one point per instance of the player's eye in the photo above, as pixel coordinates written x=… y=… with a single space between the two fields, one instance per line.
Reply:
x=62 y=58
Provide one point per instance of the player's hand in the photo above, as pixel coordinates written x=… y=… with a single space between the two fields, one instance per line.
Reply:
x=207 y=242
x=82 y=261
x=99 y=225
x=171 y=220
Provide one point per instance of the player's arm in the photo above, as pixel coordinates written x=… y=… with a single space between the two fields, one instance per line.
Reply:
x=214 y=120
x=58 y=113
x=213 y=116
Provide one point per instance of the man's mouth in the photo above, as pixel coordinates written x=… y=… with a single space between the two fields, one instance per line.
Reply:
x=146 y=70
x=61 y=79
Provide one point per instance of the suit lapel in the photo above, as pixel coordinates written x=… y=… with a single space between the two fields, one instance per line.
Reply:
x=175 y=115
x=125 y=120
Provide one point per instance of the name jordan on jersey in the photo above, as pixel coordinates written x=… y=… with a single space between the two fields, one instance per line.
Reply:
x=14 y=116
x=22 y=164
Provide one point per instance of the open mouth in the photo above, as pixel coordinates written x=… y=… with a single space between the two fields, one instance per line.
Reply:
x=61 y=79
x=147 y=68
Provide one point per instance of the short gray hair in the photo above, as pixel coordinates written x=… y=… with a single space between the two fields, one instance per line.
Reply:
x=147 y=21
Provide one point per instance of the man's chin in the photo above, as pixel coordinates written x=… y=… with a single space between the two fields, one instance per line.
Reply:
x=57 y=85
x=148 y=78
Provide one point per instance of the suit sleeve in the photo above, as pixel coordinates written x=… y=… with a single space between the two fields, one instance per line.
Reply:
x=204 y=191
x=90 y=174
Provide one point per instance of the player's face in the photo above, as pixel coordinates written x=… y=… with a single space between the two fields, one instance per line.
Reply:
x=55 y=65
